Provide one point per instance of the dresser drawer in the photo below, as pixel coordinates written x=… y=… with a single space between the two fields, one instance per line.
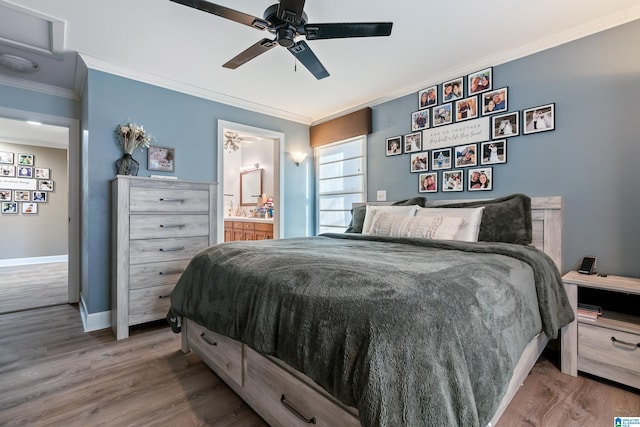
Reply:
x=162 y=250
x=155 y=274
x=167 y=200
x=281 y=393
x=164 y=226
x=599 y=355
x=216 y=349
x=149 y=304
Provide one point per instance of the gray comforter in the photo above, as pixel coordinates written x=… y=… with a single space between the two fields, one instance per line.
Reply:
x=411 y=332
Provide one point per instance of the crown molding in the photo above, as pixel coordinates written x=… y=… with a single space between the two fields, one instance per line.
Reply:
x=163 y=82
x=571 y=34
x=38 y=87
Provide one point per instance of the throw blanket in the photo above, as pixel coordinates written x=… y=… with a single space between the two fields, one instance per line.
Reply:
x=411 y=332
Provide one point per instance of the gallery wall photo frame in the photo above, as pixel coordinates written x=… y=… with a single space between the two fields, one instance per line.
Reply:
x=428 y=182
x=441 y=159
x=428 y=97
x=393 y=145
x=6 y=157
x=495 y=101
x=493 y=152
x=420 y=120
x=26 y=159
x=442 y=115
x=161 y=158
x=45 y=185
x=480 y=179
x=39 y=196
x=467 y=108
x=466 y=155
x=5 y=195
x=25 y=172
x=480 y=81
x=453 y=89
x=419 y=162
x=539 y=119
x=9 y=207
x=505 y=125
x=7 y=170
x=413 y=142
x=453 y=180
x=29 y=208
x=42 y=173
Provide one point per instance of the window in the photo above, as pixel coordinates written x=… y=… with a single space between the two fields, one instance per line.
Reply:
x=341 y=174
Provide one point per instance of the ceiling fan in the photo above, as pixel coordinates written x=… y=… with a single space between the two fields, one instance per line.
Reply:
x=232 y=140
x=286 y=21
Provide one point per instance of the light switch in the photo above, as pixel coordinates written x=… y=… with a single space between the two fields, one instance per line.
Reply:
x=381 y=196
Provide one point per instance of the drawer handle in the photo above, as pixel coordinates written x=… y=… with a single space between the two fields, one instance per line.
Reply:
x=614 y=340
x=162 y=199
x=181 y=248
x=172 y=226
x=176 y=271
x=287 y=405
x=164 y=296
x=207 y=339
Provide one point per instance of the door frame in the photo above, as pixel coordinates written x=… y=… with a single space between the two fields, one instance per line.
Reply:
x=73 y=173
x=278 y=167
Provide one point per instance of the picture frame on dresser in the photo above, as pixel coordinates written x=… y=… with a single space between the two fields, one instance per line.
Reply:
x=161 y=158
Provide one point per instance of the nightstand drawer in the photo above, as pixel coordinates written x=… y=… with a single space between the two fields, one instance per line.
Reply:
x=600 y=355
x=168 y=200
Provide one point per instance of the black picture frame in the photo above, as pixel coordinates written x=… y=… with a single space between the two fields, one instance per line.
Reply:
x=419 y=162
x=505 y=125
x=475 y=180
x=493 y=152
x=539 y=119
x=453 y=180
x=393 y=145
x=467 y=109
x=466 y=155
x=428 y=97
x=413 y=142
x=441 y=159
x=425 y=186
x=453 y=90
x=419 y=120
x=484 y=84
x=491 y=105
x=443 y=114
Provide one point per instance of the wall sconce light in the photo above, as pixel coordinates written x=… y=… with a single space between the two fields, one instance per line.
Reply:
x=298 y=157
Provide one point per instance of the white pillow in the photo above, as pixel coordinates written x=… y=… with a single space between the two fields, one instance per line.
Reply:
x=396 y=210
x=471 y=218
x=424 y=227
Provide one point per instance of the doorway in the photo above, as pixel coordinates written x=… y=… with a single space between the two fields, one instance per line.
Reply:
x=256 y=136
x=71 y=265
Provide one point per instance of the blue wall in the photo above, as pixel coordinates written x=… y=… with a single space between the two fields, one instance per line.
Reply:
x=591 y=159
x=177 y=120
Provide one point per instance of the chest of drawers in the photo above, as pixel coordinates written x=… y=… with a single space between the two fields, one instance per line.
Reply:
x=157 y=227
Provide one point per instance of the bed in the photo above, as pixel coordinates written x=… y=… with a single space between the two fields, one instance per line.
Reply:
x=410 y=331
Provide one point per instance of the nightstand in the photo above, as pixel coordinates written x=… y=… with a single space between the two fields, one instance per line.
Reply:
x=608 y=347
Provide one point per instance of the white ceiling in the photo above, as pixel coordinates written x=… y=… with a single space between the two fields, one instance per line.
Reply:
x=174 y=46
x=21 y=132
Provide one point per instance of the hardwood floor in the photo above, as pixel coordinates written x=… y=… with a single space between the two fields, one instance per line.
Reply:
x=32 y=286
x=54 y=374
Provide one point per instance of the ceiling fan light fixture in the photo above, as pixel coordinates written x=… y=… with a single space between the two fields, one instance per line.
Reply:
x=17 y=63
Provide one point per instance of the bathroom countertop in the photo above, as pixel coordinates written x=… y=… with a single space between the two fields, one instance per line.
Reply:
x=248 y=219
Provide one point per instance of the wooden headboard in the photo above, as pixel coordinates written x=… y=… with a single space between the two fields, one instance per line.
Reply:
x=546 y=216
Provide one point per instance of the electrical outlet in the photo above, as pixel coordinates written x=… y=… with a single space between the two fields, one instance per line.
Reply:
x=381 y=195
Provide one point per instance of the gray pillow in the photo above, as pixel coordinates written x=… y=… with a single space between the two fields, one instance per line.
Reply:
x=358 y=213
x=505 y=219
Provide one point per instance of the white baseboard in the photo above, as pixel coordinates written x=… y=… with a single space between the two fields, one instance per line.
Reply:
x=94 y=321
x=33 y=260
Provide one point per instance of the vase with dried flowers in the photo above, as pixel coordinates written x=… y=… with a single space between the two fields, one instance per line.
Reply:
x=130 y=136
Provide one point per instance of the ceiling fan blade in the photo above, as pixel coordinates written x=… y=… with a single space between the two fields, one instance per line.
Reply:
x=291 y=10
x=248 y=54
x=225 y=12
x=307 y=58
x=344 y=30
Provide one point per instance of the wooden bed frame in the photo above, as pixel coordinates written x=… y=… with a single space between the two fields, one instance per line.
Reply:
x=286 y=397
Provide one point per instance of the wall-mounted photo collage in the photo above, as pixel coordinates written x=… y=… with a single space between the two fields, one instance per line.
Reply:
x=456 y=101
x=23 y=186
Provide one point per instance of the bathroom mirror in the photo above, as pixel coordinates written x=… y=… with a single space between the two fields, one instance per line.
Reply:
x=250 y=187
